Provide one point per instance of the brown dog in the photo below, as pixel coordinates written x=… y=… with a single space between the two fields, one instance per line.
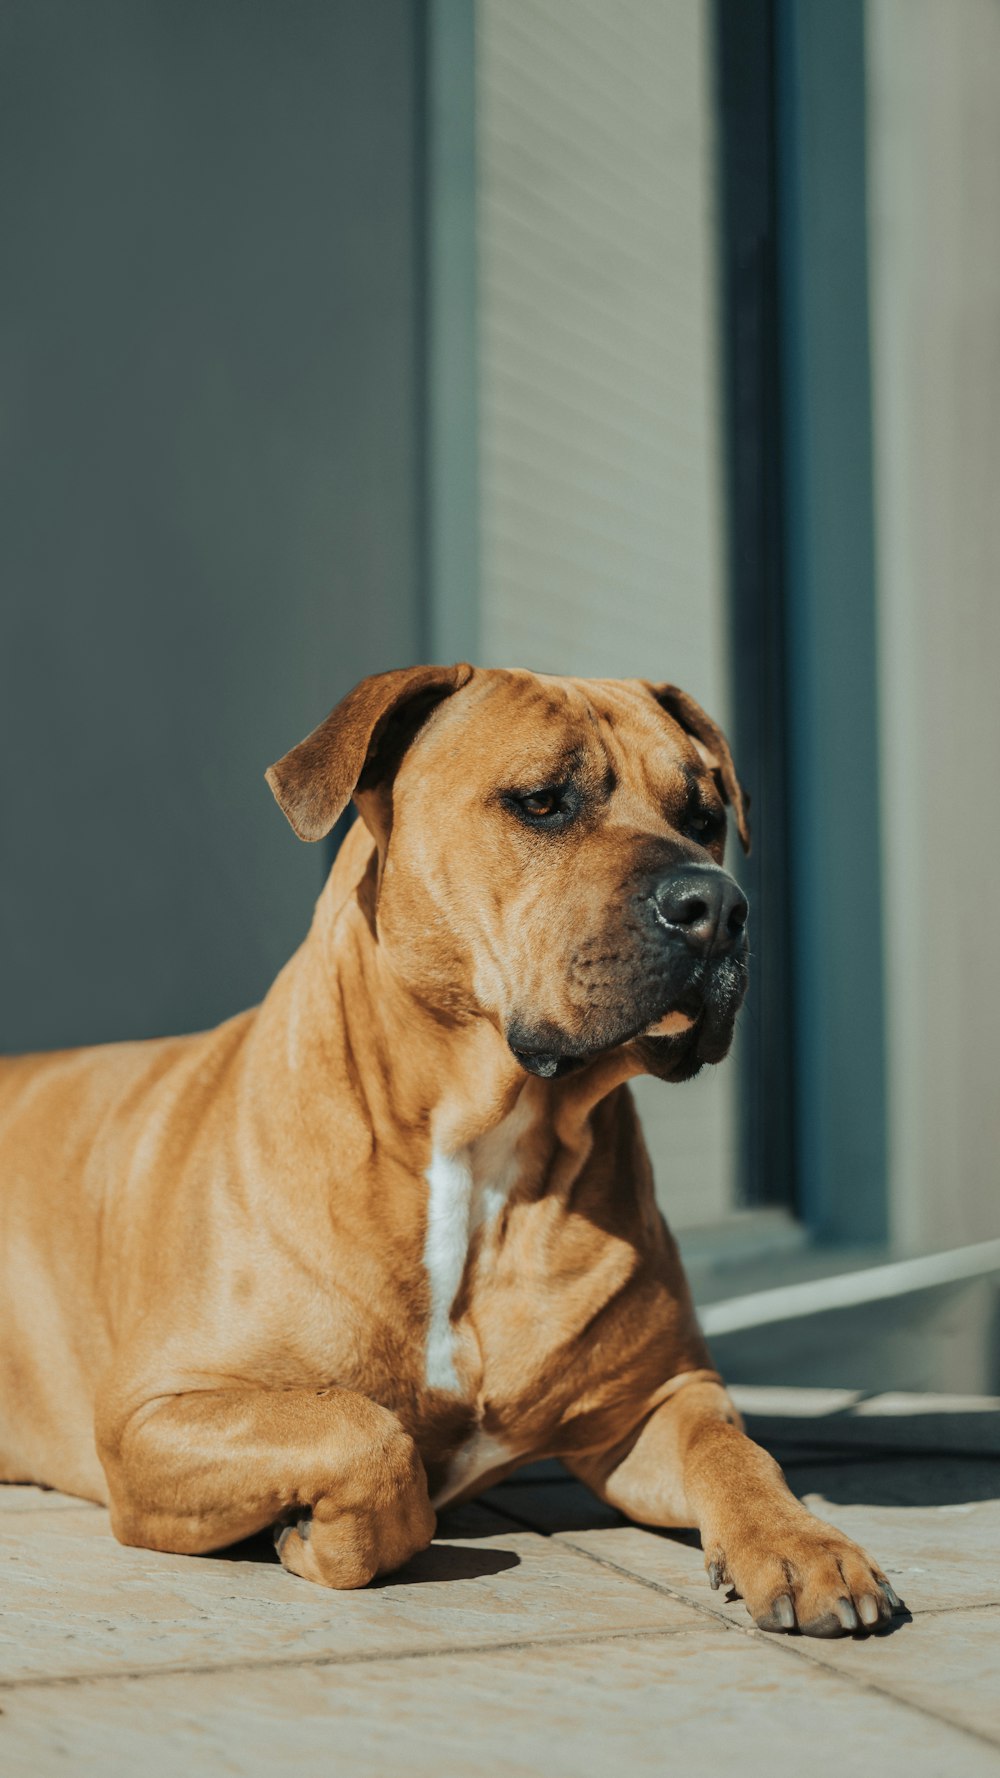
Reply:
x=394 y=1230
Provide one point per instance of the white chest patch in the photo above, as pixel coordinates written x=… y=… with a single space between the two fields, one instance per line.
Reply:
x=480 y=1453
x=466 y=1192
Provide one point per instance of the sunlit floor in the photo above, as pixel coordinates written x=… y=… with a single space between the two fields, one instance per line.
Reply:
x=541 y=1633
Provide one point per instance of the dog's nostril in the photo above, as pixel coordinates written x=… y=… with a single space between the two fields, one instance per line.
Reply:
x=689 y=912
x=705 y=907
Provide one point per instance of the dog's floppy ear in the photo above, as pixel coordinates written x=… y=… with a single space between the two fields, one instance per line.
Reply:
x=359 y=743
x=713 y=747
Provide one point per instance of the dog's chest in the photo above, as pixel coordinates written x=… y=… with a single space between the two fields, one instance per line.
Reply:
x=516 y=1277
x=468 y=1192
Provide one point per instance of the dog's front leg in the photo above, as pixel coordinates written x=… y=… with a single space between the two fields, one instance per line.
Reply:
x=338 y=1474
x=692 y=1464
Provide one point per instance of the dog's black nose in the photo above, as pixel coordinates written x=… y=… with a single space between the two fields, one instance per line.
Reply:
x=705 y=906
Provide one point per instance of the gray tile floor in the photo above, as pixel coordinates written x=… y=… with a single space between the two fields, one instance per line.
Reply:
x=541 y=1634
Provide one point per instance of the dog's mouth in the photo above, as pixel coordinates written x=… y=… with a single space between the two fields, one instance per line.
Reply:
x=672 y=1024
x=673 y=1045
x=669 y=1054
x=675 y=1052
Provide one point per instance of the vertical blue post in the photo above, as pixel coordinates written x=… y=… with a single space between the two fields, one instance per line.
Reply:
x=830 y=569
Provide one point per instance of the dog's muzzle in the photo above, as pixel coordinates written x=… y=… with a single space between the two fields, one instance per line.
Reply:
x=689 y=958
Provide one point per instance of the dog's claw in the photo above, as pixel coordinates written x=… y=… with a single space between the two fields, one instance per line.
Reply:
x=781 y=1615
x=849 y=1618
x=284 y=1528
x=893 y=1597
x=714 y=1576
x=868 y=1610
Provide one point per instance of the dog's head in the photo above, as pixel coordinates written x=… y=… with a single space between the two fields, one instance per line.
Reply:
x=549 y=854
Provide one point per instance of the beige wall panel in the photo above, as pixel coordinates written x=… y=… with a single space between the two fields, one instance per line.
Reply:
x=600 y=464
x=934 y=156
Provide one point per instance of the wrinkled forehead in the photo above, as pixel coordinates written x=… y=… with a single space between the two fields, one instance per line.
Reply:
x=533 y=728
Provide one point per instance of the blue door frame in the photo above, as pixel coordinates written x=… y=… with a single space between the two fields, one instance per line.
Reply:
x=829 y=571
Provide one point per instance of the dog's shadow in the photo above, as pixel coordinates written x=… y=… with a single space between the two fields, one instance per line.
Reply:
x=442 y=1561
x=450 y=1561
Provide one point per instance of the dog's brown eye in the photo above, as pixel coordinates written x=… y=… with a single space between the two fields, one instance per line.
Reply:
x=551 y=807
x=702 y=825
x=541 y=803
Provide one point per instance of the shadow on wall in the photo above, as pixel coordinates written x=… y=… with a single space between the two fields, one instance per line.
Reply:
x=885 y=1451
x=943 y=1339
x=914 y=1459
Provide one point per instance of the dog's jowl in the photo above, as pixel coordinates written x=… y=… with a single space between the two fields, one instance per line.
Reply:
x=371 y=1245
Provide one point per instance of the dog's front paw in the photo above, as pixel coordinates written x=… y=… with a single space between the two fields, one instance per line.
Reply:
x=347 y=1538
x=803 y=1575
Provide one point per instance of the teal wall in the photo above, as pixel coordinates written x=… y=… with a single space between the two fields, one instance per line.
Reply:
x=212 y=462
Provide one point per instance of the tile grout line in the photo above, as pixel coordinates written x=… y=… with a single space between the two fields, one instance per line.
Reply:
x=65 y=1506
x=943 y=1610
x=786 y=1645
x=576 y=1639
x=696 y=1604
